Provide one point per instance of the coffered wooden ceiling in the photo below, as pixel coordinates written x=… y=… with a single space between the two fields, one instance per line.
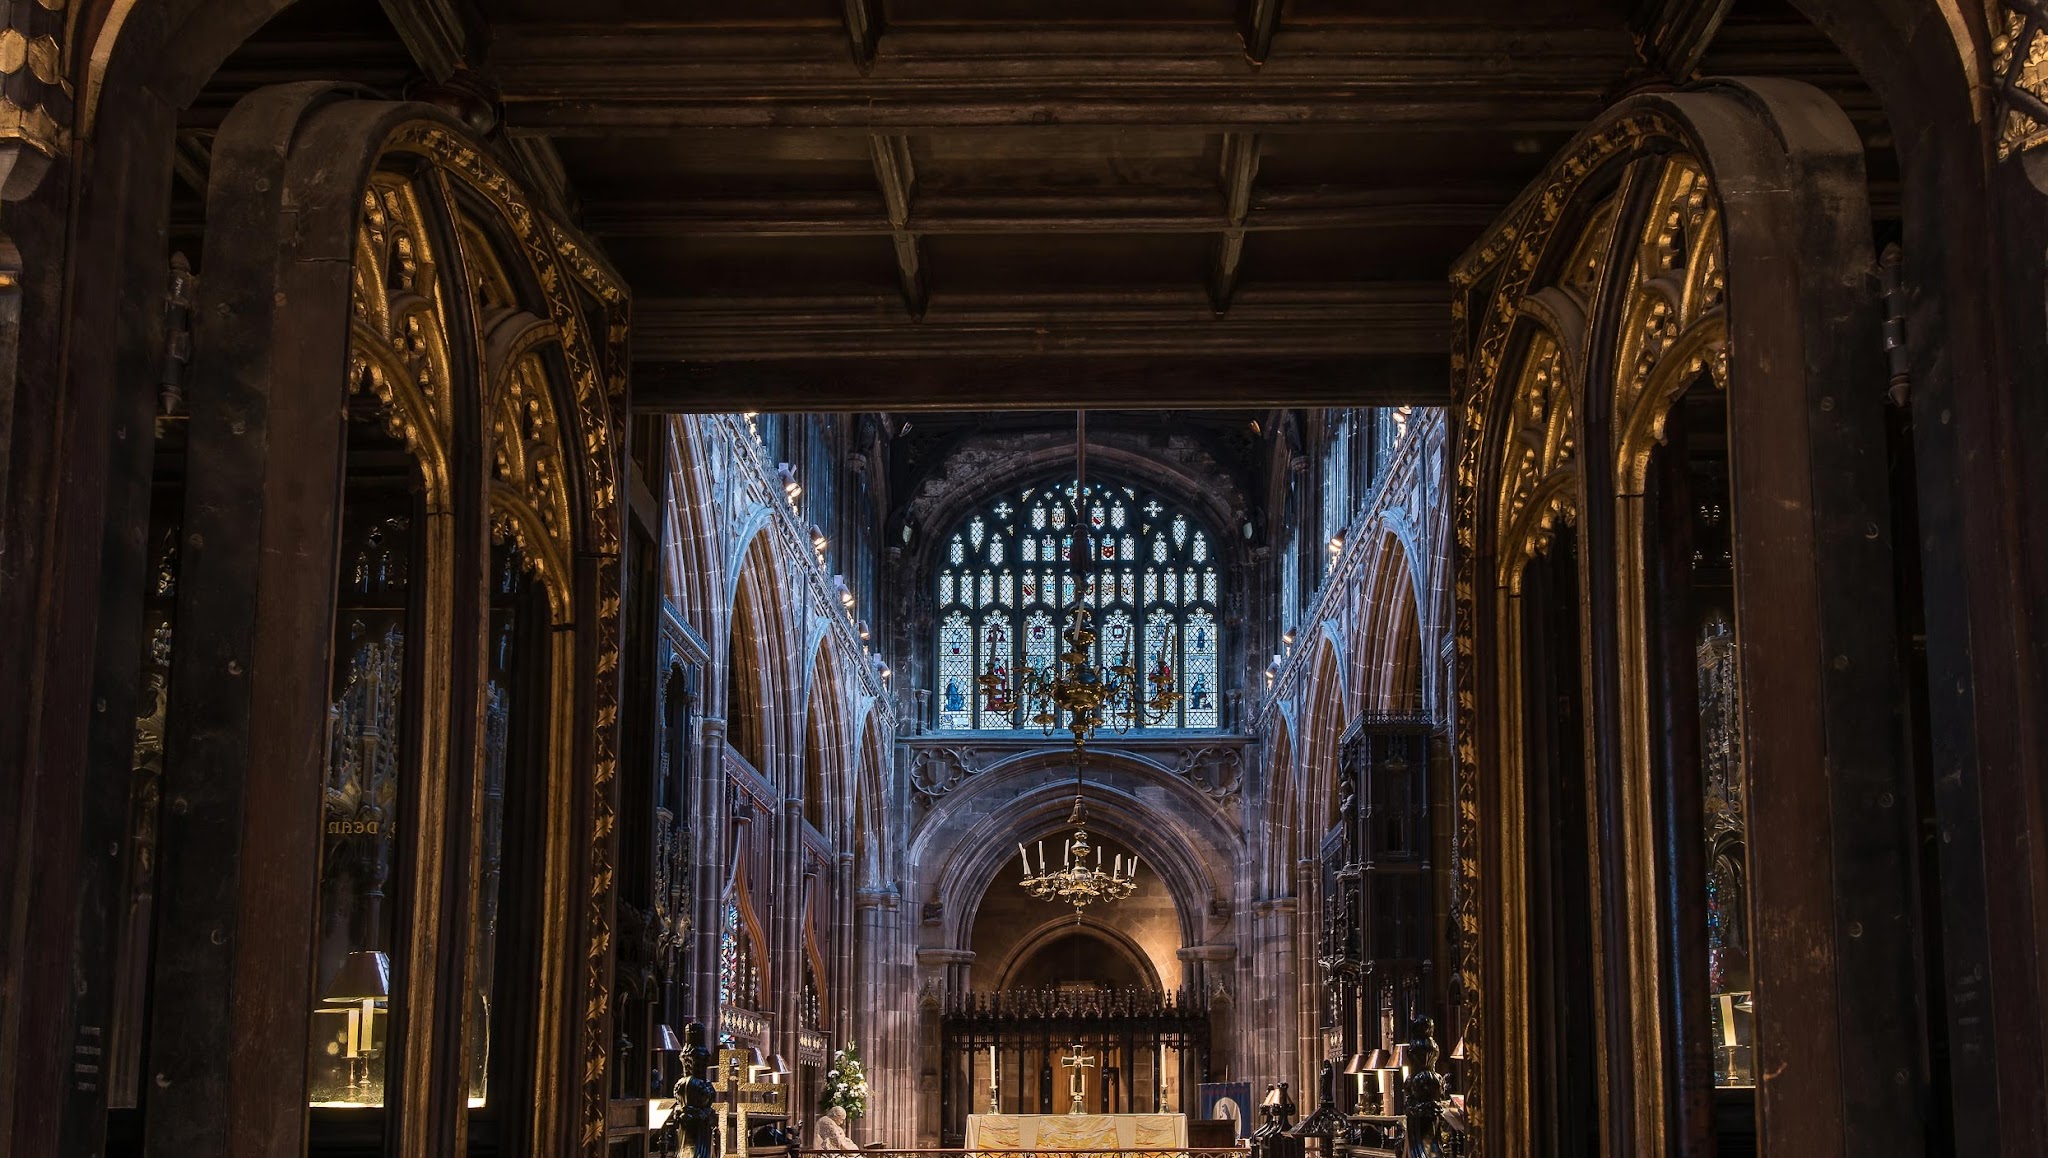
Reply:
x=996 y=203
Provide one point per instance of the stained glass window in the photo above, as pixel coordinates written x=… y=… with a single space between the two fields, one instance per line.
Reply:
x=739 y=978
x=1008 y=574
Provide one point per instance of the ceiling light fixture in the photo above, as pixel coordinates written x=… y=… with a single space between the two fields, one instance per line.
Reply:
x=1076 y=882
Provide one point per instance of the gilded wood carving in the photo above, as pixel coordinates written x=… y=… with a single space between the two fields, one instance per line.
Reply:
x=1520 y=364
x=545 y=379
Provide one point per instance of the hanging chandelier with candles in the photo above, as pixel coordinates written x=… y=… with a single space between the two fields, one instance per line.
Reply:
x=1077 y=691
x=1076 y=882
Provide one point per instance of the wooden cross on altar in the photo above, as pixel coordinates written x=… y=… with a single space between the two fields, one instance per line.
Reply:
x=1077 y=1064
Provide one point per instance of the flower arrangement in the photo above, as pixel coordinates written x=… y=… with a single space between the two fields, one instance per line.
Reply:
x=846 y=1084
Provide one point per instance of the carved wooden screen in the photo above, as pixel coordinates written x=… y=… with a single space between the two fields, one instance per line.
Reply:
x=456 y=354
x=471 y=346
x=1600 y=390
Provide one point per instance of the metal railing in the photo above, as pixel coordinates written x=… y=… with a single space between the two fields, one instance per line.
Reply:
x=879 y=1150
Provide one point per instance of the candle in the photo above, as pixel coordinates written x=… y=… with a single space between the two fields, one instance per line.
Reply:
x=355 y=1017
x=1041 y=856
x=1024 y=861
x=991 y=1065
x=1119 y=869
x=1134 y=866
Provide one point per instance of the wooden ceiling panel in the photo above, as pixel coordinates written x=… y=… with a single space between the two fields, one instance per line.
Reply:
x=984 y=263
x=905 y=12
x=1407 y=158
x=1418 y=251
x=715 y=267
x=1353 y=11
x=712 y=164
x=722 y=12
x=1193 y=197
x=1020 y=160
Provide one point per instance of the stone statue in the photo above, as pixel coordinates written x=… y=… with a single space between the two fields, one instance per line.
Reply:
x=829 y=1132
x=696 y=1098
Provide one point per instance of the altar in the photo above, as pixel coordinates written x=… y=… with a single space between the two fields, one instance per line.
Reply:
x=1059 y=1133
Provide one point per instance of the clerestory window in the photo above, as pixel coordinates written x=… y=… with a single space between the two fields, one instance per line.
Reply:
x=1008 y=574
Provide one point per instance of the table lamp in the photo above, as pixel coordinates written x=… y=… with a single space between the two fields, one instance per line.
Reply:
x=365 y=979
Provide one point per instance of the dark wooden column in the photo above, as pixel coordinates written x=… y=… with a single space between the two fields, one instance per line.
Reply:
x=83 y=232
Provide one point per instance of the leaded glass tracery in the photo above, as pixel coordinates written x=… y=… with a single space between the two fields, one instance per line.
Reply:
x=1009 y=572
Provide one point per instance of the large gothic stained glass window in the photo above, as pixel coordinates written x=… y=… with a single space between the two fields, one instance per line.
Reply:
x=1007 y=575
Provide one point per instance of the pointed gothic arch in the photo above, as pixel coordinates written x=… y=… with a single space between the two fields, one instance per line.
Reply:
x=1666 y=225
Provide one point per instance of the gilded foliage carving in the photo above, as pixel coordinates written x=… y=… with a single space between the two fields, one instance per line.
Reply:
x=35 y=92
x=1539 y=477
x=529 y=487
x=2019 y=68
x=1515 y=475
x=1673 y=327
x=549 y=388
x=398 y=349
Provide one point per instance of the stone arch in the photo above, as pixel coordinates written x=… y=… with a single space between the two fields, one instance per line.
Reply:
x=829 y=755
x=1054 y=929
x=1176 y=830
x=695 y=571
x=1387 y=663
x=760 y=674
x=949 y=495
x=1322 y=728
x=1282 y=789
x=870 y=844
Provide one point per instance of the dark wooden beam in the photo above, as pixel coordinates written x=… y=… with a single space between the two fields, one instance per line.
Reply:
x=863 y=30
x=442 y=35
x=1239 y=168
x=1352 y=319
x=585 y=79
x=1672 y=35
x=1197 y=210
x=1260 y=18
x=1036 y=383
x=545 y=172
x=897 y=176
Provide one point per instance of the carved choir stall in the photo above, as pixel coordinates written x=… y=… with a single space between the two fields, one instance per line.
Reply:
x=1379 y=940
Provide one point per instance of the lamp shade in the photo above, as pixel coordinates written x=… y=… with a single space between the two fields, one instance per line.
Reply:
x=1359 y=1063
x=778 y=1064
x=1404 y=1057
x=1458 y=1050
x=1379 y=1059
x=364 y=975
x=666 y=1041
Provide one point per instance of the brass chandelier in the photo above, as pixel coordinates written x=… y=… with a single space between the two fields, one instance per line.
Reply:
x=1076 y=882
x=1077 y=691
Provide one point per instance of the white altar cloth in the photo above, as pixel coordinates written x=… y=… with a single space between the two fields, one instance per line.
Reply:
x=1081 y=1133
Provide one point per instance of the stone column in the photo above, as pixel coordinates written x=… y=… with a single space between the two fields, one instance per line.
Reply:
x=882 y=1021
x=1208 y=970
x=941 y=972
x=792 y=903
x=709 y=862
x=845 y=915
